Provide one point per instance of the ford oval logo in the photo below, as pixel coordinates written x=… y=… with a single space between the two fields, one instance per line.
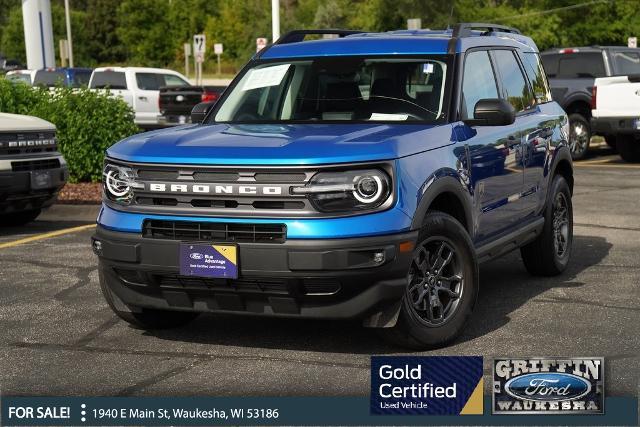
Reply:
x=547 y=386
x=196 y=255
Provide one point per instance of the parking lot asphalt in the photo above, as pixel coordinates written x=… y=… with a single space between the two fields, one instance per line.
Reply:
x=57 y=336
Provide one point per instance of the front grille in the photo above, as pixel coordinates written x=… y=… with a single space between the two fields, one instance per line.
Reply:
x=34 y=165
x=27 y=143
x=222 y=191
x=214 y=232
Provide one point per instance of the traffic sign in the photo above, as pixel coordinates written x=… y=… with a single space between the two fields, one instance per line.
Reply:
x=217 y=48
x=199 y=44
x=261 y=43
x=632 y=42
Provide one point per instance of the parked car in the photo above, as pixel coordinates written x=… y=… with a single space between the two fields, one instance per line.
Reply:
x=22 y=76
x=572 y=72
x=176 y=102
x=616 y=113
x=139 y=87
x=32 y=171
x=363 y=176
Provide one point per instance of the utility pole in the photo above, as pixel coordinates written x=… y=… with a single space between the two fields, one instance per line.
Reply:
x=275 y=20
x=70 y=44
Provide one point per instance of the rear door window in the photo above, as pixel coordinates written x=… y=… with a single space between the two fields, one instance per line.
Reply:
x=514 y=85
x=109 y=79
x=626 y=63
x=154 y=81
x=478 y=81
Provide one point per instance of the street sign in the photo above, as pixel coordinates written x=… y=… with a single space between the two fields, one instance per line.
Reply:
x=261 y=43
x=217 y=48
x=187 y=49
x=632 y=42
x=199 y=44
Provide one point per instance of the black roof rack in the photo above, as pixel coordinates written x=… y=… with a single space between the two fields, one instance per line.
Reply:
x=296 y=36
x=464 y=29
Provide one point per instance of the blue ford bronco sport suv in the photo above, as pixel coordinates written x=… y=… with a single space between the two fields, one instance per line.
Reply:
x=364 y=175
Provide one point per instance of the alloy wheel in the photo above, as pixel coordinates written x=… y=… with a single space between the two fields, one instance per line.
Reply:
x=436 y=281
x=578 y=138
x=560 y=225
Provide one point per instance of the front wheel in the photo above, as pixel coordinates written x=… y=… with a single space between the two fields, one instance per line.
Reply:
x=579 y=136
x=442 y=286
x=549 y=254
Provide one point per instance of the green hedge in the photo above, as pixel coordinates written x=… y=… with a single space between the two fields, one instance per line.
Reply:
x=87 y=122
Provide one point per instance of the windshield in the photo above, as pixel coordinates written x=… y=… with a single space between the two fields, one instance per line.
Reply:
x=339 y=89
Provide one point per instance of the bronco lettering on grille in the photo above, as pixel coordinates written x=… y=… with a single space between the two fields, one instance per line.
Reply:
x=215 y=189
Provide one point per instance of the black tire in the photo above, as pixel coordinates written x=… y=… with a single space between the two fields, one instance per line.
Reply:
x=542 y=257
x=611 y=141
x=579 y=136
x=629 y=148
x=413 y=330
x=148 y=319
x=19 y=218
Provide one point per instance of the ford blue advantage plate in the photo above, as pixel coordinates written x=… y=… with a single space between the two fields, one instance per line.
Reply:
x=216 y=261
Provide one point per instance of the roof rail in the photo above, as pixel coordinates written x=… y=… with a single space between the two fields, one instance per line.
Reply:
x=296 y=36
x=464 y=29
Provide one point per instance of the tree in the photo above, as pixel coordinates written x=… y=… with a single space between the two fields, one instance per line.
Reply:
x=104 y=46
x=144 y=29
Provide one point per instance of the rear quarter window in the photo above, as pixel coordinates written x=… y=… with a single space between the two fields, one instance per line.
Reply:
x=109 y=79
x=536 y=76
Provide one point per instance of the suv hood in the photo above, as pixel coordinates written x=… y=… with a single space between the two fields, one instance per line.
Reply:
x=20 y=123
x=295 y=144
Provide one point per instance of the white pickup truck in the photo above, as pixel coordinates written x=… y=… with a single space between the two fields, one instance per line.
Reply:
x=616 y=113
x=139 y=87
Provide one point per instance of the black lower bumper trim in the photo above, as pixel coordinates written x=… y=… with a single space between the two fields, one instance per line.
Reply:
x=614 y=126
x=300 y=278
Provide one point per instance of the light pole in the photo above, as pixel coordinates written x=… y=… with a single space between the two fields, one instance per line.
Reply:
x=70 y=44
x=275 y=20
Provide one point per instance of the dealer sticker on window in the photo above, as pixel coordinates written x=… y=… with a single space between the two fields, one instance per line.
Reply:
x=218 y=261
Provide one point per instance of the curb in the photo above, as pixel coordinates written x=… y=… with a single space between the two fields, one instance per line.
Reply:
x=64 y=212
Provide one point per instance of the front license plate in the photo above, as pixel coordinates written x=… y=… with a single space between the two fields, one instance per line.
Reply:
x=218 y=261
x=40 y=180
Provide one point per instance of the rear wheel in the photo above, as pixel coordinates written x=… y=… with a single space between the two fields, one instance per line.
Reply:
x=549 y=254
x=144 y=318
x=579 y=136
x=19 y=218
x=629 y=148
x=442 y=286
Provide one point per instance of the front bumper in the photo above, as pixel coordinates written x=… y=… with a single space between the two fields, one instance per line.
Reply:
x=320 y=278
x=17 y=192
x=615 y=125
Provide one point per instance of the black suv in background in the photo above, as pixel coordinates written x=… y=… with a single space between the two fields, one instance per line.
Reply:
x=572 y=72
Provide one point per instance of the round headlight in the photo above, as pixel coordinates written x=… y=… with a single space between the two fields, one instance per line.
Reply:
x=118 y=182
x=368 y=188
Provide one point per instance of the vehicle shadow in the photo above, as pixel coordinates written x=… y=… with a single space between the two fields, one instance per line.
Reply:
x=504 y=287
x=37 y=227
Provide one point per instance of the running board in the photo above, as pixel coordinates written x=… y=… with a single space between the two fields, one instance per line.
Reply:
x=511 y=241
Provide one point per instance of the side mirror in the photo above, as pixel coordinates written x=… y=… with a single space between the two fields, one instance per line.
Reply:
x=200 y=111
x=492 y=112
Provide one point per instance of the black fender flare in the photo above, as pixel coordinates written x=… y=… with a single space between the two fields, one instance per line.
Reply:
x=440 y=185
x=562 y=153
x=577 y=97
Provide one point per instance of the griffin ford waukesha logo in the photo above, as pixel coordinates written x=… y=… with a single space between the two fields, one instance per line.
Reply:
x=548 y=386
x=196 y=256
